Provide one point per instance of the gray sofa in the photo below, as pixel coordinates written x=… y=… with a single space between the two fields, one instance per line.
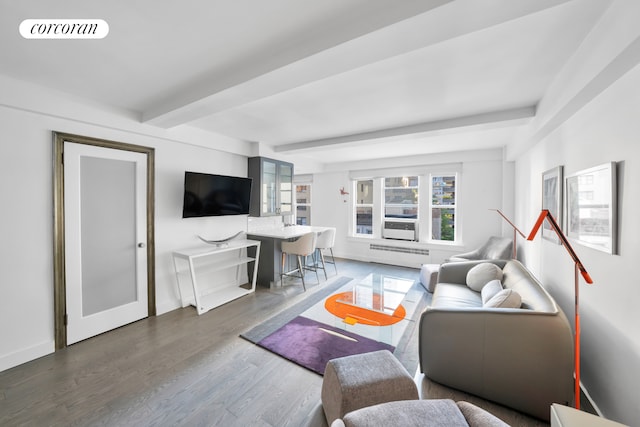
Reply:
x=521 y=358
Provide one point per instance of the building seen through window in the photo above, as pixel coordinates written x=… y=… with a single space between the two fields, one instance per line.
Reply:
x=303 y=204
x=401 y=197
x=443 y=207
x=364 y=207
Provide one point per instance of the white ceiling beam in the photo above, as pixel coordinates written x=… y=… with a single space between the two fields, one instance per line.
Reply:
x=494 y=118
x=218 y=91
x=327 y=53
x=610 y=40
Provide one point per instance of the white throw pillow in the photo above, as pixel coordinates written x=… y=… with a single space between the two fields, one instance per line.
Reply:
x=490 y=290
x=482 y=274
x=506 y=298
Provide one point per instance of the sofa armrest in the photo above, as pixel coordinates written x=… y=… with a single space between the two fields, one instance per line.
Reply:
x=519 y=358
x=467 y=256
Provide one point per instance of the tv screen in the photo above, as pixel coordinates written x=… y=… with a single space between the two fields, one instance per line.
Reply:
x=215 y=195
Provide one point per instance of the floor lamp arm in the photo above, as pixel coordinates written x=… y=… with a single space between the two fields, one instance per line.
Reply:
x=545 y=214
x=515 y=230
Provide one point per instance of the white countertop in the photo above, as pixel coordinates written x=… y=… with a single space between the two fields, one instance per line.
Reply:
x=204 y=249
x=284 y=233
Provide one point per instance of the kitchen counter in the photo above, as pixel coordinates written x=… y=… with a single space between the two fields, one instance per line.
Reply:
x=271 y=250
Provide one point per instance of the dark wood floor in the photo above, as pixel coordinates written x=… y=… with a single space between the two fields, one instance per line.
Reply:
x=176 y=369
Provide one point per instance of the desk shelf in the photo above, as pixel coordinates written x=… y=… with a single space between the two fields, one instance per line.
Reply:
x=217 y=294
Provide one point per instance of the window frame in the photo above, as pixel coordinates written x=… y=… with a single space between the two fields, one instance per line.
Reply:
x=357 y=205
x=424 y=215
x=454 y=206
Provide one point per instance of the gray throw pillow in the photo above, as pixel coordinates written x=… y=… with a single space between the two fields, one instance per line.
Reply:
x=506 y=298
x=482 y=274
x=490 y=290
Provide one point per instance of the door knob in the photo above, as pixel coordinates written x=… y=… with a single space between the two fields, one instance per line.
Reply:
x=141 y=245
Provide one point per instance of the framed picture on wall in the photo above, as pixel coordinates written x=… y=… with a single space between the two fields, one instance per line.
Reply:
x=592 y=207
x=552 y=200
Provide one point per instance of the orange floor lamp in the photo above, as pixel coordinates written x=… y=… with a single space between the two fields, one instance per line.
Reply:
x=579 y=267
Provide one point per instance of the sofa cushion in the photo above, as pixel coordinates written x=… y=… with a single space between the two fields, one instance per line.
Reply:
x=482 y=274
x=453 y=295
x=490 y=290
x=506 y=298
x=534 y=296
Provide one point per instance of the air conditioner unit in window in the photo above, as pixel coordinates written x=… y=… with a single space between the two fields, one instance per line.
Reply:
x=400 y=230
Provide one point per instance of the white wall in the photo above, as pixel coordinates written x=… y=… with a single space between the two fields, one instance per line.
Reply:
x=480 y=189
x=28 y=116
x=26 y=191
x=603 y=128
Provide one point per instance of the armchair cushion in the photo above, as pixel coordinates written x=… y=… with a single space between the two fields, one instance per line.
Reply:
x=478 y=417
x=418 y=413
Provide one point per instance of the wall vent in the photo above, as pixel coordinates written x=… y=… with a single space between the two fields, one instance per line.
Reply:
x=390 y=248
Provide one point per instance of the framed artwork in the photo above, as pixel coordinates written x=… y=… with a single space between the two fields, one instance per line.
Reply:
x=592 y=207
x=552 y=200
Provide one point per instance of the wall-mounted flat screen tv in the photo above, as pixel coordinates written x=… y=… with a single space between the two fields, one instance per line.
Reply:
x=215 y=195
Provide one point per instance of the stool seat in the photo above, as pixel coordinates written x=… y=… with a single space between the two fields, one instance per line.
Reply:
x=361 y=380
x=304 y=246
x=326 y=240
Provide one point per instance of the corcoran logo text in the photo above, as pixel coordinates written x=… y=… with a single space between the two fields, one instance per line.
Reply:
x=64 y=29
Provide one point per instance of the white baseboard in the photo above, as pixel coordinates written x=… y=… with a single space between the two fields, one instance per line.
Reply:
x=167 y=307
x=10 y=360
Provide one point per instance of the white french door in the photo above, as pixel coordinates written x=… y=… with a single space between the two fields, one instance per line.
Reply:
x=105 y=216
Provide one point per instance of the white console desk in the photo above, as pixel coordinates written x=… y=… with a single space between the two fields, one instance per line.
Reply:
x=212 y=260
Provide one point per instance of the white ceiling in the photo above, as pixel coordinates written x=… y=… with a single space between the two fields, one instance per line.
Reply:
x=327 y=80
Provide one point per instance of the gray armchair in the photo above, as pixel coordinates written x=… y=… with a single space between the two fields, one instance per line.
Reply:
x=495 y=248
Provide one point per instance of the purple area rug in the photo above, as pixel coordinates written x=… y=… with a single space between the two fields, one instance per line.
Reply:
x=312 y=344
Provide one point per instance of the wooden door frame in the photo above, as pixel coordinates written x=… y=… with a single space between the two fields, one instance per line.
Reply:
x=59 y=276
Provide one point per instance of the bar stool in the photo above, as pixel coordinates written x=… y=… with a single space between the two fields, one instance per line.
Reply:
x=304 y=246
x=326 y=240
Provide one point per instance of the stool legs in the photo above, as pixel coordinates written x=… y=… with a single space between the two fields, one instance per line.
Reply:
x=302 y=272
x=301 y=268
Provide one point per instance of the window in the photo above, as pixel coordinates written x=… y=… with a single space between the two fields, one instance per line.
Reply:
x=303 y=204
x=396 y=197
x=401 y=197
x=443 y=207
x=364 y=207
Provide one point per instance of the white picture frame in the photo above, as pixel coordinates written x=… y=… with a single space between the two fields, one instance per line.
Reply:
x=591 y=207
x=552 y=185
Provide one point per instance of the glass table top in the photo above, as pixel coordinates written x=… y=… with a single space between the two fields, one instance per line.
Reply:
x=378 y=292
